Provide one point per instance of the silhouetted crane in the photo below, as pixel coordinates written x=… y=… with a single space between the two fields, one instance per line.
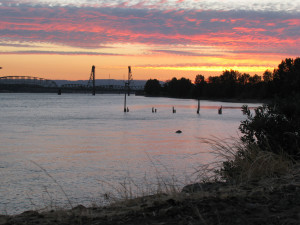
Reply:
x=127 y=86
x=92 y=79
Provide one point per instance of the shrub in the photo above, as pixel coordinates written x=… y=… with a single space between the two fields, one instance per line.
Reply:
x=274 y=127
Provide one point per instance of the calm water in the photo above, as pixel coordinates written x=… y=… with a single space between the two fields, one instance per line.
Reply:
x=86 y=143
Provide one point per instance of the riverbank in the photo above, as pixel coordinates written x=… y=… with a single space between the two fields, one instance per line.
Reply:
x=268 y=201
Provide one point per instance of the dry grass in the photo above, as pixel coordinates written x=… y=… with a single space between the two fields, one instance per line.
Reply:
x=238 y=162
x=55 y=181
x=129 y=189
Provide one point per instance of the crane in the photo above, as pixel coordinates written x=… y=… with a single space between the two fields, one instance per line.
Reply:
x=92 y=79
x=127 y=86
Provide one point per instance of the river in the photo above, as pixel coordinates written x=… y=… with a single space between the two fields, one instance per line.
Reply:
x=76 y=147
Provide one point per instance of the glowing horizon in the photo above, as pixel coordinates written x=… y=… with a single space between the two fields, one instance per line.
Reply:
x=160 y=39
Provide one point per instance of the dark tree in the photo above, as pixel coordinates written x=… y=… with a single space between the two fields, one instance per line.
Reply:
x=229 y=81
x=244 y=78
x=152 y=87
x=287 y=77
x=199 y=79
x=255 y=79
x=199 y=85
x=179 y=88
x=172 y=87
x=229 y=76
x=275 y=127
x=214 y=79
x=268 y=76
x=185 y=87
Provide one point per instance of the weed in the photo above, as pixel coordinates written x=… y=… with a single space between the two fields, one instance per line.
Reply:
x=54 y=180
x=239 y=162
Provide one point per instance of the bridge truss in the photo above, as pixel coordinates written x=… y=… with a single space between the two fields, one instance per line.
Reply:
x=27 y=80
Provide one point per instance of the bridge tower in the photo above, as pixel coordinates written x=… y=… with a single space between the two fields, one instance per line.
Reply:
x=92 y=79
x=127 y=87
x=129 y=79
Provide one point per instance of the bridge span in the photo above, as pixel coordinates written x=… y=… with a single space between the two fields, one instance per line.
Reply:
x=28 y=80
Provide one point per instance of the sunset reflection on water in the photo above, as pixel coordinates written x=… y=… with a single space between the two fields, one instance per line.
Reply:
x=81 y=140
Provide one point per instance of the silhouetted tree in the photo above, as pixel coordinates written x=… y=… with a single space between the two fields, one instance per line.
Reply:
x=275 y=127
x=229 y=76
x=179 y=88
x=152 y=87
x=287 y=77
x=199 y=85
x=214 y=79
x=185 y=87
x=229 y=81
x=199 y=79
x=255 y=79
x=268 y=76
x=244 y=78
x=172 y=87
x=285 y=80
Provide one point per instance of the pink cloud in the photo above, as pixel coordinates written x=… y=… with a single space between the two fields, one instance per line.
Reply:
x=292 y=22
x=95 y=26
x=248 y=30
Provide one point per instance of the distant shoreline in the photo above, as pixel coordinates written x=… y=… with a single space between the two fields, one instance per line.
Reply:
x=137 y=93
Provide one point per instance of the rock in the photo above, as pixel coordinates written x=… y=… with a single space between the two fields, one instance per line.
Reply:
x=178 y=132
x=79 y=208
x=30 y=213
x=203 y=187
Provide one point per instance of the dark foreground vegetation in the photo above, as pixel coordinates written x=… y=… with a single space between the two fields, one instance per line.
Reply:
x=257 y=182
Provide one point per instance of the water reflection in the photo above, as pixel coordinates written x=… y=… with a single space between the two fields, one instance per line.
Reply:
x=81 y=140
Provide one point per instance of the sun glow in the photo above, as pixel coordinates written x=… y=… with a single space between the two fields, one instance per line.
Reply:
x=253 y=69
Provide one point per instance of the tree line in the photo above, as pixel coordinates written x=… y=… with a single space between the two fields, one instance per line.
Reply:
x=282 y=81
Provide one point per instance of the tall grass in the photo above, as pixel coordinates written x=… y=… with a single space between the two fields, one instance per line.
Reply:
x=162 y=183
x=55 y=181
x=238 y=162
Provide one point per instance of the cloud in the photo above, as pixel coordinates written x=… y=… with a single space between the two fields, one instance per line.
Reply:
x=91 y=27
x=32 y=52
x=185 y=53
x=228 y=5
x=18 y=45
x=206 y=64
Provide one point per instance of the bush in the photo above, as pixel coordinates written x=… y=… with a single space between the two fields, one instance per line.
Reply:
x=274 y=127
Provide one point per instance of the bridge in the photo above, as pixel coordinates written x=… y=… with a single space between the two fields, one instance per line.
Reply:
x=27 y=80
x=36 y=84
x=101 y=87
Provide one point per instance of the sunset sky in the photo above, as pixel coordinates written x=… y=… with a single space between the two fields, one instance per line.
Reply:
x=62 y=39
